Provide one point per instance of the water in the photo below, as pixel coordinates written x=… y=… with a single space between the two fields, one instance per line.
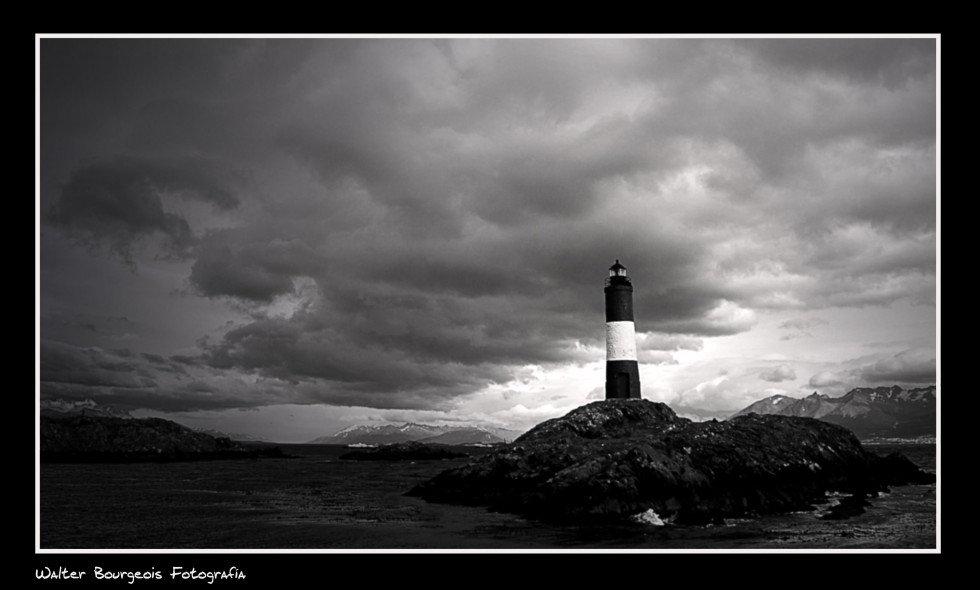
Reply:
x=316 y=501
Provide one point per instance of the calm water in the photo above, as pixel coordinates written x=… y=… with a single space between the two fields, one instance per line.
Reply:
x=317 y=501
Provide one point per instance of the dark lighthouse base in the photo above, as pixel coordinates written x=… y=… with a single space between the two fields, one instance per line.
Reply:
x=622 y=380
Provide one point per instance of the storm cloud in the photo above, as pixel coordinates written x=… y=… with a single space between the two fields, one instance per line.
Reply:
x=909 y=366
x=400 y=223
x=120 y=201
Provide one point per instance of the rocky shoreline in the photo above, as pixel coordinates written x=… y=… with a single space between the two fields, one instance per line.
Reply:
x=615 y=459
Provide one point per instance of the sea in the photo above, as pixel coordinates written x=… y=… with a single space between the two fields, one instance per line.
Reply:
x=313 y=500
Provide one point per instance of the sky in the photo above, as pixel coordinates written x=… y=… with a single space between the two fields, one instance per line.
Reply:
x=285 y=237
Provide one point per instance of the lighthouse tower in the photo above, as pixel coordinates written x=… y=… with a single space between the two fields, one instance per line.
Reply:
x=622 y=371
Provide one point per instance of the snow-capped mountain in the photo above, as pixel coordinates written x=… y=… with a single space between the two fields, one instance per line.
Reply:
x=868 y=411
x=381 y=434
x=466 y=436
x=393 y=433
x=771 y=405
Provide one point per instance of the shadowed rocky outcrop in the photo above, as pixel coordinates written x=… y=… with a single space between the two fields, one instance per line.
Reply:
x=81 y=438
x=616 y=458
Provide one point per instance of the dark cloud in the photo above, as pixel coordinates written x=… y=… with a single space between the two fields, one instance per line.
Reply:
x=388 y=350
x=120 y=201
x=85 y=368
x=125 y=379
x=889 y=61
x=251 y=267
x=89 y=82
x=79 y=326
x=909 y=366
x=408 y=221
x=723 y=319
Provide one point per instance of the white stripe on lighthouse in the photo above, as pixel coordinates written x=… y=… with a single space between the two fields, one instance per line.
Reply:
x=620 y=341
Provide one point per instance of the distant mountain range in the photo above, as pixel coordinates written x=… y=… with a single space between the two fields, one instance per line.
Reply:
x=868 y=412
x=61 y=408
x=396 y=433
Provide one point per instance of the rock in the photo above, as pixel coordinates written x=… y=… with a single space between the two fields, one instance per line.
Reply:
x=97 y=439
x=649 y=517
x=847 y=507
x=898 y=470
x=612 y=459
x=406 y=451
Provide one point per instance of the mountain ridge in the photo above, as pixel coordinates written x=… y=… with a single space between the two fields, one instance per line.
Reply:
x=867 y=411
x=58 y=408
x=381 y=434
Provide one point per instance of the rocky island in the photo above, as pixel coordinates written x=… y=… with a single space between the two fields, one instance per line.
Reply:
x=110 y=439
x=620 y=458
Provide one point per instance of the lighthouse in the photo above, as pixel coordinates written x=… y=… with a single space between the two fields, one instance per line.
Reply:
x=622 y=370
